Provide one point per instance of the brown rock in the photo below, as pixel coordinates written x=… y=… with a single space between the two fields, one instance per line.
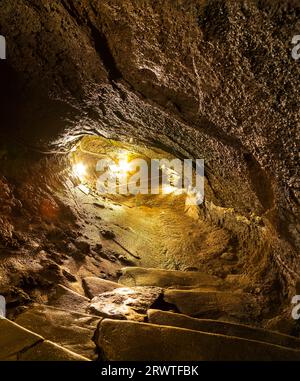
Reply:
x=138 y=276
x=72 y=330
x=133 y=341
x=14 y=338
x=67 y=299
x=70 y=277
x=228 y=256
x=125 y=303
x=94 y=286
x=83 y=246
x=213 y=303
x=48 y=351
x=221 y=327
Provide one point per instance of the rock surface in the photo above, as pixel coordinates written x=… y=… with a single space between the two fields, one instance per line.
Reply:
x=200 y=79
x=125 y=303
x=18 y=343
x=14 y=338
x=67 y=299
x=137 y=276
x=214 y=304
x=212 y=80
x=132 y=341
x=221 y=327
x=94 y=286
x=71 y=330
x=48 y=351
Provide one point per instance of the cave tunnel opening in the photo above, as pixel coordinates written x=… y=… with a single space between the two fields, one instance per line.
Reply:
x=151 y=219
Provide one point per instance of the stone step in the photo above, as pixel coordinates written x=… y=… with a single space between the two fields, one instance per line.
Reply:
x=72 y=330
x=122 y=340
x=214 y=304
x=14 y=339
x=220 y=327
x=129 y=303
x=48 y=351
x=18 y=343
x=94 y=286
x=138 y=276
x=67 y=299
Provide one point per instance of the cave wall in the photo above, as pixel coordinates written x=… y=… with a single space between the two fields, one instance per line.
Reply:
x=212 y=79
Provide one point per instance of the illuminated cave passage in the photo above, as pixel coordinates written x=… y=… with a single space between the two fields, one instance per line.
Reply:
x=100 y=275
x=150 y=230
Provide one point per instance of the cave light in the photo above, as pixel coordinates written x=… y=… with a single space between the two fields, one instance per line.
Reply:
x=123 y=166
x=79 y=170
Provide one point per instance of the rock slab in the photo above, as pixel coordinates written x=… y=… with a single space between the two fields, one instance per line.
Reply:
x=67 y=299
x=133 y=341
x=94 y=286
x=214 y=304
x=72 y=330
x=125 y=303
x=220 y=327
x=138 y=276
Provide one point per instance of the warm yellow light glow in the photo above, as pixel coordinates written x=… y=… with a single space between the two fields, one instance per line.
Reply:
x=121 y=168
x=167 y=189
x=124 y=166
x=79 y=170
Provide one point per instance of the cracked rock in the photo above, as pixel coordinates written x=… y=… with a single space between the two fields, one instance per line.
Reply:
x=125 y=303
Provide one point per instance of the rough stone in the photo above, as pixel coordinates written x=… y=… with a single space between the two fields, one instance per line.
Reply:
x=200 y=79
x=221 y=327
x=228 y=256
x=70 y=277
x=83 y=246
x=72 y=330
x=94 y=286
x=48 y=351
x=67 y=299
x=133 y=341
x=125 y=303
x=214 y=304
x=184 y=76
x=108 y=234
x=14 y=338
x=138 y=276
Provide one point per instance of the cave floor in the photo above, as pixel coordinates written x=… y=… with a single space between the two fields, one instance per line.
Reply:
x=152 y=233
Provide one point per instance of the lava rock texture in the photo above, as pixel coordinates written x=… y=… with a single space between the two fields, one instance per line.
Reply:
x=206 y=79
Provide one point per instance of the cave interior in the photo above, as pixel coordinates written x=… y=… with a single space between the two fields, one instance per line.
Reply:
x=94 y=276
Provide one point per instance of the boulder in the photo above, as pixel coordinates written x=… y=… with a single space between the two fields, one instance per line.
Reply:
x=14 y=338
x=72 y=330
x=94 y=286
x=133 y=341
x=199 y=303
x=125 y=303
x=221 y=327
x=67 y=299
x=18 y=343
